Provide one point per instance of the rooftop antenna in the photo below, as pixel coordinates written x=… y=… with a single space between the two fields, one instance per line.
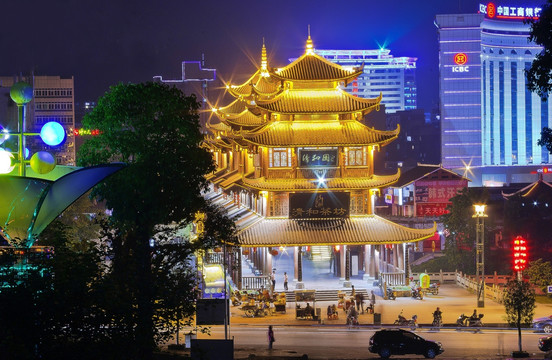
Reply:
x=308 y=27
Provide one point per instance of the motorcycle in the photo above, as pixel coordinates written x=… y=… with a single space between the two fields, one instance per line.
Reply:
x=468 y=321
x=437 y=320
x=402 y=321
x=391 y=294
x=352 y=320
x=433 y=288
x=417 y=293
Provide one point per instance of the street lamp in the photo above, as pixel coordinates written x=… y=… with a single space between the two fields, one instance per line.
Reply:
x=480 y=252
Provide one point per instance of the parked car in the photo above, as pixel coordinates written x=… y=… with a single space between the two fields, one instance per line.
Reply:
x=543 y=324
x=399 y=342
x=545 y=343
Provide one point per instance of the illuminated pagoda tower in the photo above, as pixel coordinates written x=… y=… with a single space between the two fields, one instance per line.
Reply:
x=295 y=169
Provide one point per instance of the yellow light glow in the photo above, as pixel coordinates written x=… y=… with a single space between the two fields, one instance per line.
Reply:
x=480 y=210
x=214 y=109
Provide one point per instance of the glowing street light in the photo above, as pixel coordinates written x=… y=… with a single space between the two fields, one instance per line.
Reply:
x=480 y=252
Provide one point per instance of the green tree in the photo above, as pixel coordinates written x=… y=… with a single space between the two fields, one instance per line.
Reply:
x=459 y=246
x=155 y=130
x=519 y=302
x=539 y=75
x=539 y=273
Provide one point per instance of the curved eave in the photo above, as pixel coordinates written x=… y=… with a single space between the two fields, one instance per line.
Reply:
x=312 y=67
x=313 y=185
x=309 y=102
x=356 y=230
x=335 y=133
x=245 y=119
x=244 y=89
x=235 y=107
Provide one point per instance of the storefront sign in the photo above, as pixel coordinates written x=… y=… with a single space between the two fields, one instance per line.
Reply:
x=431 y=209
x=317 y=157
x=319 y=205
x=388 y=198
x=493 y=11
x=438 y=191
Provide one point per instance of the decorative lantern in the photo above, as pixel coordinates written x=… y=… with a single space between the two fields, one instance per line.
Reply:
x=274 y=252
x=336 y=248
x=245 y=252
x=218 y=249
x=520 y=253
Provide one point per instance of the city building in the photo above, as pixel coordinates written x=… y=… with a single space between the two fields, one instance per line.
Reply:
x=194 y=79
x=417 y=143
x=394 y=77
x=295 y=166
x=490 y=122
x=53 y=100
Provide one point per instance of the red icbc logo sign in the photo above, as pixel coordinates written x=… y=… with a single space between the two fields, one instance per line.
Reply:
x=460 y=58
x=491 y=10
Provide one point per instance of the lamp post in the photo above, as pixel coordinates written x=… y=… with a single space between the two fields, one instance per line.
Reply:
x=480 y=253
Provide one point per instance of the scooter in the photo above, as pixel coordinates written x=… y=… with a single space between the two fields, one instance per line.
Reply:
x=391 y=294
x=437 y=320
x=402 y=321
x=417 y=293
x=467 y=321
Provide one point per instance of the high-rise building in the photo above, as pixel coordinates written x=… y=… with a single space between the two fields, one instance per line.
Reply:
x=53 y=100
x=394 y=77
x=490 y=122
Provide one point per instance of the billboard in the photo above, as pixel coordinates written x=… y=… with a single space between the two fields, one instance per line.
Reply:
x=319 y=205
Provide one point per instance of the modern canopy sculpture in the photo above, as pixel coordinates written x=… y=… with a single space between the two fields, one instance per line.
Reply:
x=28 y=205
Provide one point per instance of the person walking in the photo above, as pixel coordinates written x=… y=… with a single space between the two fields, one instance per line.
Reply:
x=372 y=302
x=285 y=281
x=273 y=278
x=271 y=338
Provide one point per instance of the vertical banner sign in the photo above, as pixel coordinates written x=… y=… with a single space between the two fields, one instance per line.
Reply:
x=319 y=205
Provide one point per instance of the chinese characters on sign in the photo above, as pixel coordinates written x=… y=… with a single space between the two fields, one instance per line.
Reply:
x=319 y=205
x=308 y=158
x=493 y=11
x=433 y=196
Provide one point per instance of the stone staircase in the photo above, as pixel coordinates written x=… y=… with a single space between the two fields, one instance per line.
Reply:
x=328 y=295
x=321 y=253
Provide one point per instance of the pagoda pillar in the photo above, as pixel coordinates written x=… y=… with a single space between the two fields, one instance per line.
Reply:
x=367 y=262
x=377 y=255
x=401 y=256
x=295 y=263
x=395 y=257
x=268 y=261
x=342 y=263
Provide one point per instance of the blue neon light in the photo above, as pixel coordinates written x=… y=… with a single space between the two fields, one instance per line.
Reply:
x=52 y=133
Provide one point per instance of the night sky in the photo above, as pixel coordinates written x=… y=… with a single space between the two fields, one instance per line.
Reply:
x=103 y=42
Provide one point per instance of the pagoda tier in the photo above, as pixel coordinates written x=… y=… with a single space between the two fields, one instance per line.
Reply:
x=317 y=133
x=237 y=116
x=370 y=229
x=330 y=184
x=258 y=84
x=318 y=101
x=312 y=67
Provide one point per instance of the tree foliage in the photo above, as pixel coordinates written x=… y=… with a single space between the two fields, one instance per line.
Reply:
x=539 y=273
x=155 y=130
x=519 y=302
x=460 y=242
x=539 y=75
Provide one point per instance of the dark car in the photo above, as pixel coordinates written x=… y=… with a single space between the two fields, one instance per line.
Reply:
x=545 y=343
x=543 y=324
x=399 y=342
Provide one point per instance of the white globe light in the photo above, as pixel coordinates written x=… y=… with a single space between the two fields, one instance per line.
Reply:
x=6 y=162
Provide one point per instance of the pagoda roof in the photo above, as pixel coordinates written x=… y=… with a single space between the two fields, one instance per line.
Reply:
x=536 y=189
x=314 y=133
x=374 y=181
x=259 y=84
x=421 y=171
x=238 y=114
x=318 y=101
x=361 y=230
x=313 y=67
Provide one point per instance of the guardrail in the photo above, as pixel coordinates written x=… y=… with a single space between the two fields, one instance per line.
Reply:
x=255 y=282
x=395 y=278
x=493 y=291
x=440 y=277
